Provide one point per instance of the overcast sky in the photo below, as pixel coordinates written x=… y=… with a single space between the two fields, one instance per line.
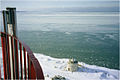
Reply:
x=62 y=5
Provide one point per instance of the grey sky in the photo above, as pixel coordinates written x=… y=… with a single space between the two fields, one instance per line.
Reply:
x=106 y=6
x=62 y=5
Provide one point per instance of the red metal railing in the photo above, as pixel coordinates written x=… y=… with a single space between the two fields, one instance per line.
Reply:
x=31 y=68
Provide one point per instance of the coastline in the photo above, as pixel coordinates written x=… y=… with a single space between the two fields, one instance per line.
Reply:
x=54 y=66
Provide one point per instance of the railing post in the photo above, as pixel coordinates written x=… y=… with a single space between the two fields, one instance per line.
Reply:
x=9 y=40
x=21 y=61
x=4 y=55
x=6 y=45
x=12 y=20
x=25 y=68
x=9 y=19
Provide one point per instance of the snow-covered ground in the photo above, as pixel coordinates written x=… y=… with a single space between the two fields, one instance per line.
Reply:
x=53 y=66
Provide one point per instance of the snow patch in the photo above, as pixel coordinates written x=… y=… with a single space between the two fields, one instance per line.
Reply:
x=53 y=66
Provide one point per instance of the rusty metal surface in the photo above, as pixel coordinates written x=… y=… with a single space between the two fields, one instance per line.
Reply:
x=17 y=61
x=9 y=77
x=21 y=67
x=13 y=58
x=3 y=55
x=35 y=65
x=25 y=67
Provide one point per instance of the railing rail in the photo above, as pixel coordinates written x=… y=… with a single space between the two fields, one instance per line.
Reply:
x=19 y=63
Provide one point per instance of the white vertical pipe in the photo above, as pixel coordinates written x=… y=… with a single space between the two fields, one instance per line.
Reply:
x=10 y=31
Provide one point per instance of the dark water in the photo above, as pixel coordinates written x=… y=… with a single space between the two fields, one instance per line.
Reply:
x=90 y=37
x=92 y=48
